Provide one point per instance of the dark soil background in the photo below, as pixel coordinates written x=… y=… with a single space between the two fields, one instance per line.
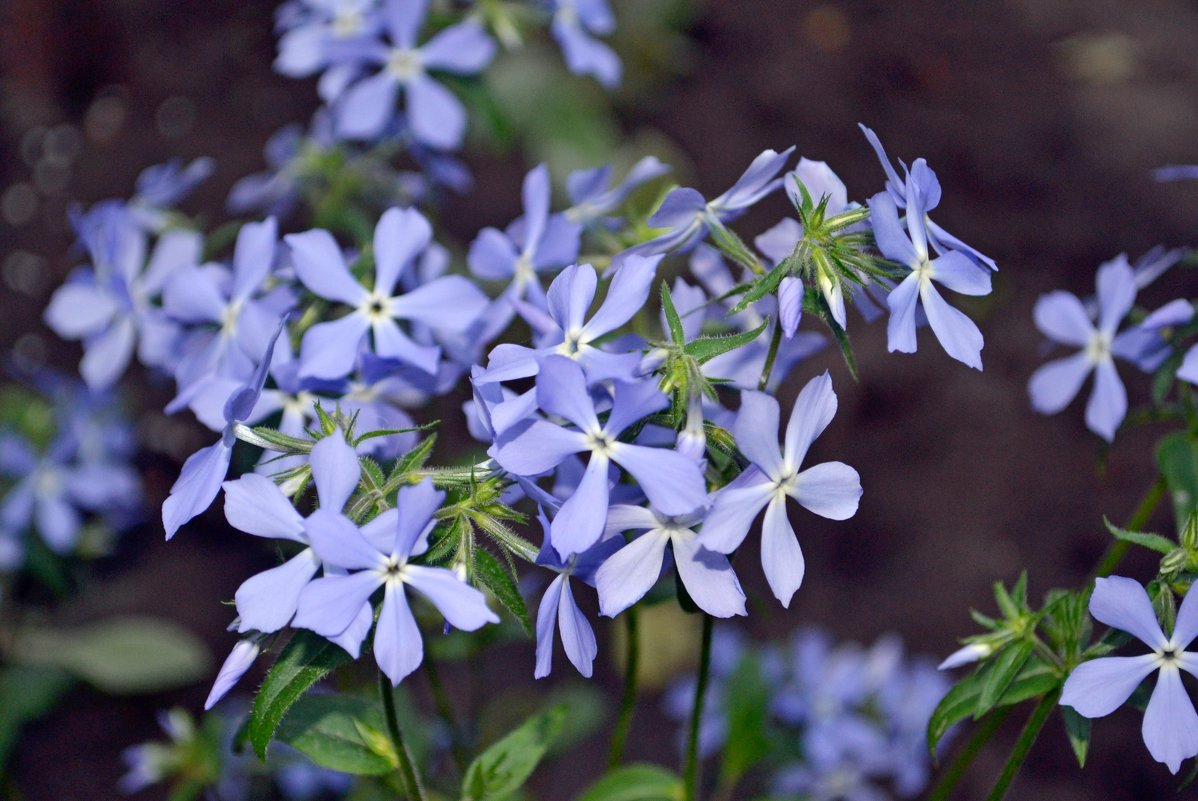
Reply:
x=1043 y=119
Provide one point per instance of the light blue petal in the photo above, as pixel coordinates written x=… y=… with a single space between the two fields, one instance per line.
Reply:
x=255 y=504
x=756 y=432
x=900 y=328
x=462 y=605
x=450 y=304
x=417 y=504
x=400 y=235
x=707 y=576
x=578 y=638
x=492 y=255
x=398 y=647
x=537 y=446
x=197 y=485
x=79 y=309
x=337 y=541
x=1108 y=401
x=1061 y=317
x=235 y=665
x=735 y=508
x=57 y=522
x=391 y=342
x=1123 y=604
x=888 y=231
x=1189 y=366
x=1055 y=384
x=626 y=295
x=435 y=114
x=266 y=602
x=570 y=295
x=961 y=274
x=1170 y=723
x=463 y=49
x=321 y=267
x=579 y=523
x=790 y=305
x=633 y=401
x=329 y=605
x=630 y=572
x=365 y=108
x=547 y=625
x=107 y=355
x=781 y=557
x=621 y=518
x=1185 y=629
x=585 y=55
x=831 y=490
x=253 y=256
x=329 y=350
x=335 y=471
x=673 y=483
x=1116 y=293
x=562 y=391
x=812 y=413
x=958 y=335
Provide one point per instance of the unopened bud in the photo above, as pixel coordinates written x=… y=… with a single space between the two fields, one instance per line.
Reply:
x=967 y=654
x=1174 y=562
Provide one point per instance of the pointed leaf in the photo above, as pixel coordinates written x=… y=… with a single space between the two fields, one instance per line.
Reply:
x=1078 y=730
x=500 y=581
x=505 y=766
x=677 y=333
x=707 y=348
x=340 y=732
x=639 y=782
x=1153 y=542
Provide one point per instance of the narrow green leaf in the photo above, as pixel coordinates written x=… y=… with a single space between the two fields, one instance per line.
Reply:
x=1003 y=667
x=120 y=655
x=1078 y=730
x=763 y=286
x=505 y=766
x=307 y=659
x=499 y=580
x=340 y=732
x=1154 y=542
x=673 y=321
x=415 y=458
x=732 y=246
x=1177 y=457
x=638 y=782
x=707 y=348
x=959 y=703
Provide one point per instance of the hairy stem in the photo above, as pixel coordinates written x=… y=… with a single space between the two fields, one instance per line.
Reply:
x=407 y=771
x=1115 y=553
x=691 y=771
x=1023 y=745
x=628 y=702
x=771 y=355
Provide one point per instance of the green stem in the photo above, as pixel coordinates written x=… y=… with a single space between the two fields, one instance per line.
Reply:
x=771 y=355
x=691 y=772
x=1023 y=745
x=961 y=762
x=445 y=710
x=407 y=771
x=628 y=702
x=1118 y=549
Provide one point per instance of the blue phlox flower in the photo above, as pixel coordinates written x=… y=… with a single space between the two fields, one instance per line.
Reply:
x=830 y=489
x=558 y=610
x=1176 y=172
x=311 y=31
x=330 y=349
x=537 y=242
x=378 y=556
x=436 y=117
x=161 y=187
x=632 y=571
x=575 y=24
x=922 y=182
x=1062 y=318
x=592 y=196
x=200 y=479
x=958 y=335
x=229 y=319
x=672 y=482
x=565 y=330
x=1098 y=687
x=110 y=305
x=688 y=215
x=275 y=191
x=256 y=505
x=1145 y=344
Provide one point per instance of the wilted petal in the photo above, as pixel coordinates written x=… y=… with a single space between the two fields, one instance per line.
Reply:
x=630 y=572
x=1170 y=723
x=266 y=602
x=236 y=664
x=255 y=504
x=398 y=647
x=831 y=490
x=781 y=557
x=1056 y=383
x=1123 y=604
x=462 y=605
x=1108 y=401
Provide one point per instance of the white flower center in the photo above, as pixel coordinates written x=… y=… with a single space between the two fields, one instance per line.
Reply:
x=405 y=64
x=1098 y=349
x=600 y=443
x=376 y=308
x=571 y=343
x=348 y=22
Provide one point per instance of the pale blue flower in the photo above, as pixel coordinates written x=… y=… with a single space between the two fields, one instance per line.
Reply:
x=575 y=24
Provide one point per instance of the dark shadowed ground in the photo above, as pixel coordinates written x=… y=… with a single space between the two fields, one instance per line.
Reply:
x=1042 y=119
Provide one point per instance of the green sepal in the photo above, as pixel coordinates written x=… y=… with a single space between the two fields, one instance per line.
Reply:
x=673 y=321
x=732 y=246
x=1153 y=542
x=307 y=659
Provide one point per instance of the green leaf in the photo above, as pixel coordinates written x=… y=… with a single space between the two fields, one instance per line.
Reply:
x=120 y=655
x=763 y=286
x=1078 y=729
x=340 y=732
x=505 y=766
x=677 y=333
x=707 y=348
x=746 y=712
x=732 y=246
x=26 y=694
x=1001 y=670
x=415 y=458
x=1154 y=542
x=307 y=659
x=1177 y=457
x=959 y=703
x=638 y=782
x=500 y=581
